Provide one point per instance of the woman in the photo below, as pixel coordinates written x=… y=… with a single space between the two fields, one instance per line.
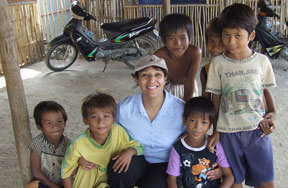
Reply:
x=154 y=118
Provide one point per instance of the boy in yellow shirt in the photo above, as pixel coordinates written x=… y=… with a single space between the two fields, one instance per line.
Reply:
x=98 y=144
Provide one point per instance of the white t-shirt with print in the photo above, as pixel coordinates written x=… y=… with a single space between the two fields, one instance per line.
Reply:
x=240 y=84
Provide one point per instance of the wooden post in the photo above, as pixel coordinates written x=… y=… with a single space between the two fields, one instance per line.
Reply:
x=15 y=90
x=88 y=8
x=166 y=7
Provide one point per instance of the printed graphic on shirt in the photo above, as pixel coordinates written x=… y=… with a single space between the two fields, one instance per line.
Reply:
x=199 y=170
x=242 y=97
x=194 y=171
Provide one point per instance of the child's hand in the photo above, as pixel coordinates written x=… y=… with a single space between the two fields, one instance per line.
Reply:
x=212 y=141
x=267 y=124
x=123 y=160
x=86 y=165
x=215 y=173
x=54 y=186
x=270 y=116
x=182 y=136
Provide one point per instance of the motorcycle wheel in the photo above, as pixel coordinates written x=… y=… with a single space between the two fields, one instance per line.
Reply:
x=284 y=53
x=256 y=46
x=147 y=46
x=61 y=56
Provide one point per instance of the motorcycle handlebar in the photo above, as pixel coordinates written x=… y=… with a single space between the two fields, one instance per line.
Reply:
x=276 y=15
x=89 y=17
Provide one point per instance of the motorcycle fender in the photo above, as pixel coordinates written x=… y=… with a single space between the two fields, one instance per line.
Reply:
x=60 y=39
x=151 y=31
x=154 y=35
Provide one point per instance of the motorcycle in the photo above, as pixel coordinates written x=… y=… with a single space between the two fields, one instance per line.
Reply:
x=125 y=41
x=271 y=42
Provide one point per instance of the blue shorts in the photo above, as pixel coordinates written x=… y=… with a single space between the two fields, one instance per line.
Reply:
x=250 y=157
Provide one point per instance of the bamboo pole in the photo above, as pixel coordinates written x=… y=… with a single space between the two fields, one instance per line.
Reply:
x=53 y=18
x=166 y=7
x=88 y=7
x=45 y=27
x=63 y=12
x=58 y=16
x=15 y=91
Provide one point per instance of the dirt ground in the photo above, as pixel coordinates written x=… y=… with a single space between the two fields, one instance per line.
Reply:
x=70 y=86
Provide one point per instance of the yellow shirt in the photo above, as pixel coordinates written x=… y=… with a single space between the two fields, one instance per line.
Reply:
x=84 y=146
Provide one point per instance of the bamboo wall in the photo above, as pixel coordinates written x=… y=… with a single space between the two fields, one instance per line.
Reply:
x=27 y=25
x=104 y=11
x=54 y=15
x=27 y=29
x=201 y=14
x=116 y=10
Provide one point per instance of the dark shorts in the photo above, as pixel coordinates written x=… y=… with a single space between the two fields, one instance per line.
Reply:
x=140 y=173
x=250 y=157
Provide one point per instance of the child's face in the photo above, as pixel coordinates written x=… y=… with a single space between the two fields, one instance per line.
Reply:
x=152 y=81
x=236 y=41
x=100 y=121
x=197 y=126
x=53 y=126
x=177 y=43
x=215 y=46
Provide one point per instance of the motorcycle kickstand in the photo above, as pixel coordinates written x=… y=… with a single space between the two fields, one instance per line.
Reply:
x=106 y=61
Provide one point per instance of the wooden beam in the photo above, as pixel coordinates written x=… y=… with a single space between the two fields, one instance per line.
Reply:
x=88 y=7
x=15 y=91
x=166 y=7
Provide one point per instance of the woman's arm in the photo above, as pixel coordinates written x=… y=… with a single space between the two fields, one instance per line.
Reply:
x=36 y=170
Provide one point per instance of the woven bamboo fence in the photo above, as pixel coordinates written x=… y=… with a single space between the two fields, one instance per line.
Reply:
x=27 y=26
x=54 y=15
x=201 y=14
x=28 y=33
x=116 y=10
x=105 y=11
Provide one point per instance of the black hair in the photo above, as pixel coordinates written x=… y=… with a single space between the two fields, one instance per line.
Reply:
x=172 y=22
x=238 y=15
x=200 y=105
x=213 y=29
x=98 y=100
x=47 y=106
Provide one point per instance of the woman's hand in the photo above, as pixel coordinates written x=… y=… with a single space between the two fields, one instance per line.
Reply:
x=86 y=165
x=215 y=173
x=123 y=160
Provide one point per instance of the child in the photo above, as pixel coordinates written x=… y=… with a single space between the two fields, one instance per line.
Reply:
x=214 y=48
x=182 y=59
x=238 y=78
x=98 y=144
x=190 y=154
x=48 y=148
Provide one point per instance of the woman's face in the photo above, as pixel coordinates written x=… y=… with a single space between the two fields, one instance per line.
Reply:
x=152 y=81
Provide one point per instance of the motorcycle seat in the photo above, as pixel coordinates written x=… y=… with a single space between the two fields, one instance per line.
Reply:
x=129 y=24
